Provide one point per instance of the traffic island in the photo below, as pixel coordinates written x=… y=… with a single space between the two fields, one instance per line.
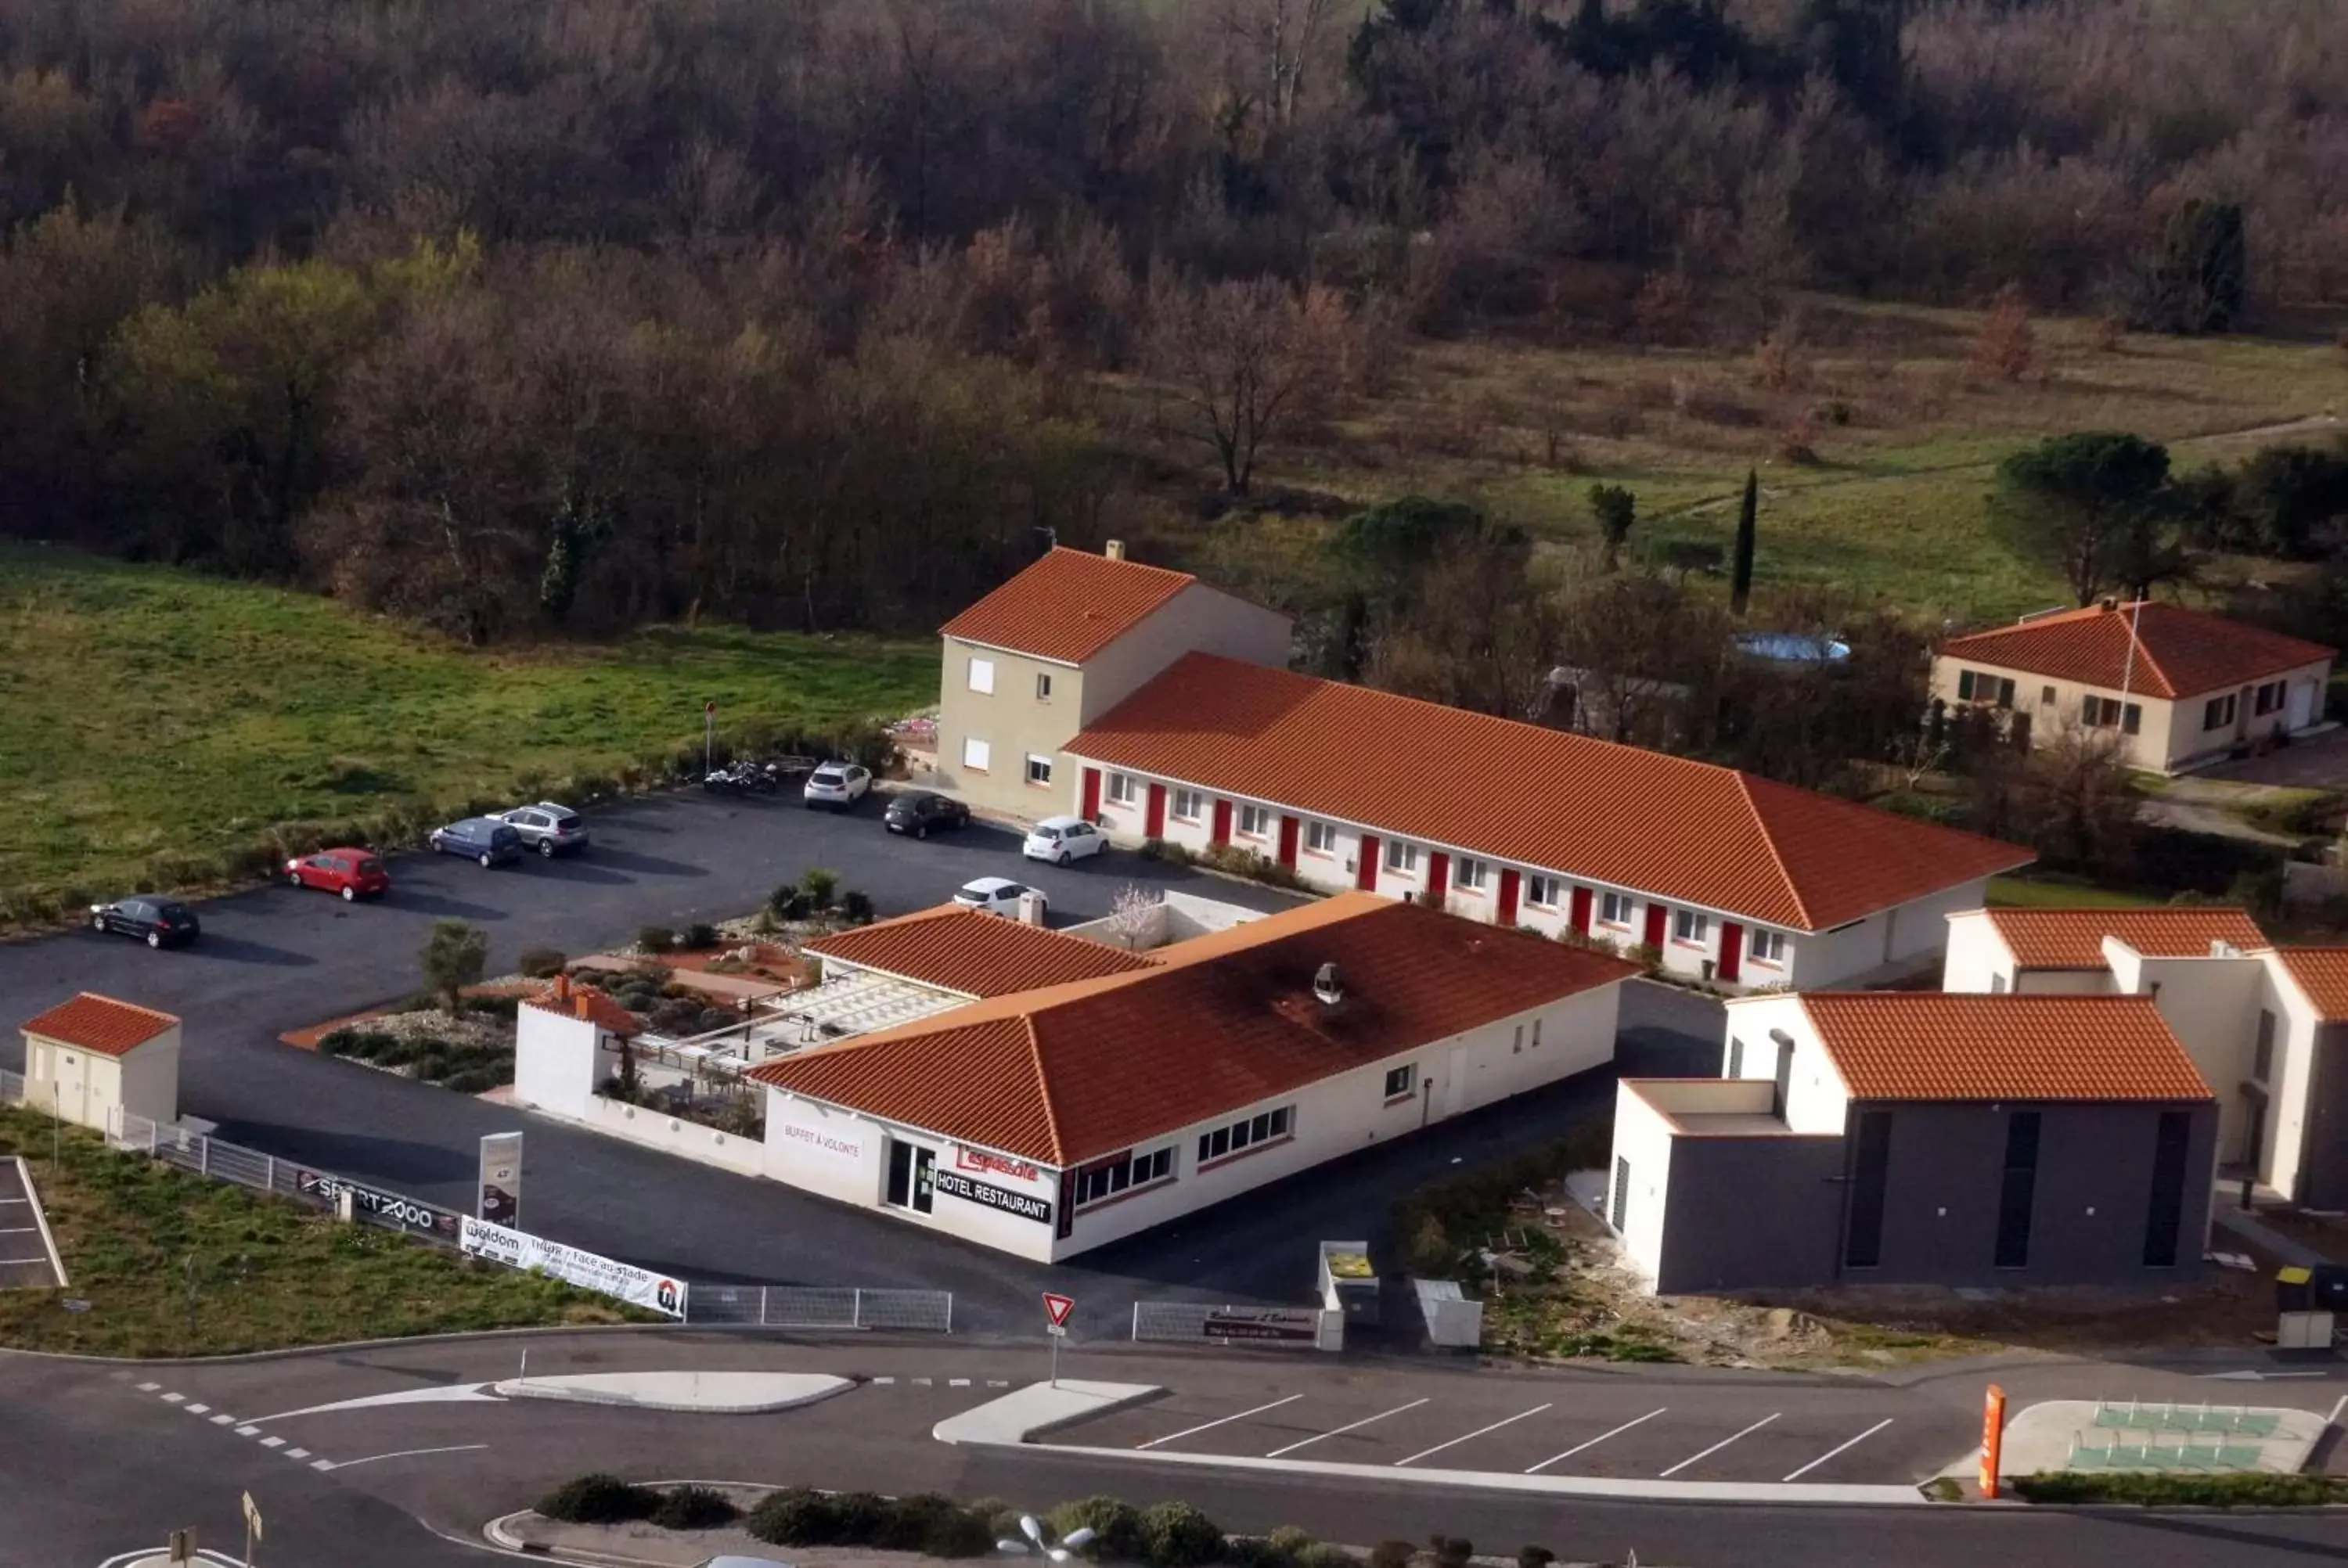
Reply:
x=2061 y=1451
x=703 y=1393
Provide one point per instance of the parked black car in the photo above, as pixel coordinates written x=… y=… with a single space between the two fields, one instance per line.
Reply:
x=921 y=813
x=158 y=922
x=481 y=838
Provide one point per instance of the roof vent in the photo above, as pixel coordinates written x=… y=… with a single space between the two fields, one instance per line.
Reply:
x=1114 y=549
x=1326 y=985
x=2221 y=948
x=2107 y=604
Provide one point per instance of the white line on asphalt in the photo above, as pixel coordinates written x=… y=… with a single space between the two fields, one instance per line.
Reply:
x=297 y=1453
x=404 y=1453
x=450 y=1393
x=957 y=1382
x=173 y=1398
x=195 y=1410
x=323 y=1464
x=20 y=1230
x=997 y=1383
x=247 y=1432
x=1478 y=1432
x=223 y=1421
x=1243 y=1415
x=149 y=1387
x=1839 y=1447
x=1720 y=1445
x=2338 y=1406
x=273 y=1442
x=1593 y=1442
x=1340 y=1431
x=920 y=1382
x=884 y=1379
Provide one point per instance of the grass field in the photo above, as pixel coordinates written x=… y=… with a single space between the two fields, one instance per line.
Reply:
x=141 y=1242
x=2048 y=892
x=1906 y=438
x=154 y=724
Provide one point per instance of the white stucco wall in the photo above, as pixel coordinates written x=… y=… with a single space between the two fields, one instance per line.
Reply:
x=674 y=1135
x=555 y=1061
x=1199 y=619
x=83 y=1086
x=148 y=1079
x=2292 y=1079
x=1815 y=1095
x=2211 y=1005
x=1976 y=955
x=1642 y=1139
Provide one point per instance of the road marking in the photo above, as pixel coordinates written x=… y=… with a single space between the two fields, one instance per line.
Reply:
x=149 y=1387
x=920 y=1382
x=273 y=1442
x=297 y=1453
x=1340 y=1431
x=1593 y=1442
x=223 y=1421
x=195 y=1410
x=20 y=1230
x=1478 y=1432
x=1832 y=1451
x=884 y=1379
x=958 y=1382
x=404 y=1453
x=1720 y=1445
x=247 y=1432
x=455 y=1392
x=1243 y=1415
x=323 y=1464
x=998 y=1383
x=2339 y=1405
x=173 y=1398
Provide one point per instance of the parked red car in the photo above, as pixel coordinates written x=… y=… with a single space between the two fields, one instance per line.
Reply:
x=353 y=873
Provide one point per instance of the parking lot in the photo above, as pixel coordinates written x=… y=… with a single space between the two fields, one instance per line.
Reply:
x=1657 y=1431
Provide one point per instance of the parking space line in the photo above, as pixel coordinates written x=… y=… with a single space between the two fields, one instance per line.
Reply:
x=1720 y=1445
x=1243 y=1415
x=1839 y=1447
x=1340 y=1431
x=1478 y=1432
x=1593 y=1442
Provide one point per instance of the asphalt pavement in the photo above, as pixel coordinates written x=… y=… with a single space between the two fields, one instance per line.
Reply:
x=275 y=958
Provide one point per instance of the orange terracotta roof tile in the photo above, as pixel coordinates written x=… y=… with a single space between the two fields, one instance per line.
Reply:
x=959 y=949
x=606 y=1014
x=2322 y=974
x=1938 y=1045
x=100 y=1024
x=1225 y=1021
x=2179 y=652
x=1618 y=815
x=2073 y=939
x=1067 y=606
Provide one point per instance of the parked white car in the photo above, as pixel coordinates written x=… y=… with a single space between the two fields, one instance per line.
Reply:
x=996 y=895
x=1060 y=839
x=837 y=785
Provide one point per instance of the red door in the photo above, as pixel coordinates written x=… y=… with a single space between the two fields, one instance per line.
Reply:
x=1655 y=938
x=1092 y=795
x=1731 y=948
x=1154 y=825
x=1365 y=875
x=1580 y=917
x=1507 y=915
x=1222 y=821
x=1438 y=877
x=1288 y=841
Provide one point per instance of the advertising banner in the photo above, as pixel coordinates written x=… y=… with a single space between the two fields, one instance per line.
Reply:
x=386 y=1208
x=500 y=1196
x=638 y=1286
x=986 y=1195
x=1278 y=1325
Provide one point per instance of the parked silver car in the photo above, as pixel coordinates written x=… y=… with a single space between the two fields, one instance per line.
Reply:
x=549 y=828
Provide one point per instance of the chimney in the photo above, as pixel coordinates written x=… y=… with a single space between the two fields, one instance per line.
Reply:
x=562 y=988
x=578 y=1004
x=1327 y=987
x=2221 y=948
x=1031 y=908
x=2107 y=604
x=1114 y=549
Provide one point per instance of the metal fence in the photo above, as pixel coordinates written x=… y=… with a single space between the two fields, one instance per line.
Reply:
x=740 y=1305
x=802 y=1306
x=1297 y=1328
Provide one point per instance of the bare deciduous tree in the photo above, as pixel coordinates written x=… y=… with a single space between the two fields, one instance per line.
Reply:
x=1244 y=359
x=1133 y=916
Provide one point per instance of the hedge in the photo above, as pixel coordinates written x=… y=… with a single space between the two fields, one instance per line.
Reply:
x=2259 y=1489
x=598 y=1498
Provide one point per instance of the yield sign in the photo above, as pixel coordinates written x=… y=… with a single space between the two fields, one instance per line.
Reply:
x=1057 y=1308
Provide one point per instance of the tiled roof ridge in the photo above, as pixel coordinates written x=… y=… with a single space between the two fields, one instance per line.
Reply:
x=1044 y=1089
x=1745 y=782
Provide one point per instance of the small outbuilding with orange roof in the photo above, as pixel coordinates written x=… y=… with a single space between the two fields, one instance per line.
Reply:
x=90 y=1058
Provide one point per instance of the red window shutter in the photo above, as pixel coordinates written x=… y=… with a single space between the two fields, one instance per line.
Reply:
x=1155 y=826
x=1092 y=795
x=1288 y=841
x=1222 y=821
x=1732 y=949
x=1438 y=877
x=1365 y=874
x=1507 y=916
x=1581 y=910
x=1656 y=915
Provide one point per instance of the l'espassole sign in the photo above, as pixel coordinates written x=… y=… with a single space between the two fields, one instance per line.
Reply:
x=516 y=1249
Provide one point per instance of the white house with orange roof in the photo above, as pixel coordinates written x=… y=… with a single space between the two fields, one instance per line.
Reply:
x=1084 y=1094
x=2266 y=1025
x=1058 y=645
x=2175 y=686
x=89 y=1058
x=1726 y=876
x=1920 y=1137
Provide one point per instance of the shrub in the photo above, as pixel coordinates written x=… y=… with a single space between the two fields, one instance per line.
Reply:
x=1289 y=1542
x=2251 y=1490
x=856 y=907
x=820 y=885
x=693 y=1508
x=1451 y=1550
x=1115 y=1525
x=597 y=1499
x=904 y=1523
x=958 y=1532
x=787 y=903
x=656 y=939
x=1324 y=1554
x=1648 y=957
x=1392 y=1554
x=699 y=936
x=1177 y=1536
x=1535 y=1557
x=858 y=1517
x=1170 y=854
x=798 y=1517
x=479 y=1080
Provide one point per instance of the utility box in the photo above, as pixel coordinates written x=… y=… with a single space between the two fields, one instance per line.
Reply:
x=1347 y=1284
x=2303 y=1332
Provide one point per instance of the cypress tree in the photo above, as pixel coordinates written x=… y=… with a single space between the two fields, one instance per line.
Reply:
x=1740 y=588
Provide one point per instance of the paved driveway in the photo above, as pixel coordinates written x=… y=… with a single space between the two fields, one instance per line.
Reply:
x=275 y=959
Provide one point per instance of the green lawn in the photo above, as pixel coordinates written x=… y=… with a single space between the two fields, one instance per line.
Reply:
x=2046 y=892
x=140 y=1240
x=155 y=725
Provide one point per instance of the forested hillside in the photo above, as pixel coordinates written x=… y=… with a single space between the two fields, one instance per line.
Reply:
x=568 y=315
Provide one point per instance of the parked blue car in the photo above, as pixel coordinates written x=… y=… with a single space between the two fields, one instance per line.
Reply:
x=481 y=838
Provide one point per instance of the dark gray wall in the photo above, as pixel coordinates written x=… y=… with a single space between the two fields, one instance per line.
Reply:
x=1751 y=1214
x=1940 y=1218
x=2324 y=1152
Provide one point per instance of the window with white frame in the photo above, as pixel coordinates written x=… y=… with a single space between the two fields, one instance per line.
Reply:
x=1122 y=1172
x=1190 y=804
x=1615 y=910
x=1691 y=926
x=981 y=676
x=1544 y=892
x=1768 y=946
x=1042 y=685
x=1471 y=875
x=1255 y=821
x=1402 y=1082
x=1401 y=857
x=1321 y=838
x=1124 y=789
x=1039 y=769
x=975 y=754
x=2218 y=712
x=1248 y=1132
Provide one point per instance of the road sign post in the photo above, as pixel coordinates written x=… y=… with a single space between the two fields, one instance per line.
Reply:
x=1055 y=1324
x=1993 y=1452
x=251 y=1528
x=708 y=735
